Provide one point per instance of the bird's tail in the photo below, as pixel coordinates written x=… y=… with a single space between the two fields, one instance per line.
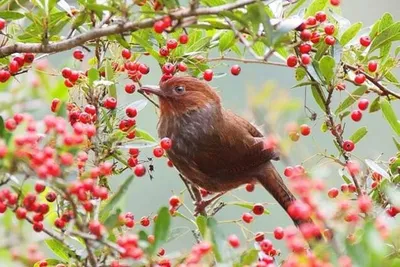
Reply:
x=273 y=182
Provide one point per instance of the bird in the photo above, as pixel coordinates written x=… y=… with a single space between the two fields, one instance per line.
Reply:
x=212 y=147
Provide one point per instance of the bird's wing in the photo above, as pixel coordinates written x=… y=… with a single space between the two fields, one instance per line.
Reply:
x=236 y=147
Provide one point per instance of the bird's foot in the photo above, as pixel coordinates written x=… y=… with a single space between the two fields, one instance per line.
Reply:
x=200 y=206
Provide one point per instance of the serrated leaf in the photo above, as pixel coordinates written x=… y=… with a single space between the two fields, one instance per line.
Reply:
x=113 y=201
x=161 y=229
x=327 y=65
x=248 y=257
x=390 y=115
x=300 y=73
x=226 y=41
x=375 y=106
x=11 y=15
x=112 y=89
x=376 y=168
x=93 y=75
x=201 y=222
x=315 y=6
x=358 y=135
x=350 y=33
x=318 y=97
x=353 y=97
x=60 y=249
x=246 y=205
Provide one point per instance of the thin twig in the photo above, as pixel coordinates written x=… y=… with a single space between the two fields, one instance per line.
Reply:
x=244 y=60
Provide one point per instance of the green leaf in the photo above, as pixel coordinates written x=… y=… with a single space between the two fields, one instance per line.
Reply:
x=396 y=143
x=11 y=15
x=112 y=220
x=307 y=83
x=358 y=135
x=390 y=34
x=390 y=115
x=113 y=201
x=142 y=134
x=319 y=99
x=350 y=33
x=121 y=40
x=344 y=177
x=59 y=249
x=392 y=79
x=384 y=51
x=300 y=73
x=226 y=41
x=386 y=22
x=218 y=240
x=246 y=205
x=201 y=222
x=50 y=262
x=375 y=106
x=327 y=67
x=161 y=229
x=295 y=7
x=355 y=95
x=257 y=15
x=248 y=257
x=112 y=89
x=376 y=168
x=100 y=8
x=259 y=48
x=315 y=6
x=93 y=75
x=146 y=44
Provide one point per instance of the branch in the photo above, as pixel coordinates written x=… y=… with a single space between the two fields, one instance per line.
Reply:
x=114 y=29
x=373 y=80
x=244 y=60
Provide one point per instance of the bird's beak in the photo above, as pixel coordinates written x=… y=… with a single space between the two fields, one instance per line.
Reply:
x=153 y=89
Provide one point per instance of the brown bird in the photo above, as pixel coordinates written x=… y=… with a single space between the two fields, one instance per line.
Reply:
x=214 y=148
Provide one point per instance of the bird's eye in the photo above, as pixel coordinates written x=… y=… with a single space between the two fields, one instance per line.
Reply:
x=179 y=89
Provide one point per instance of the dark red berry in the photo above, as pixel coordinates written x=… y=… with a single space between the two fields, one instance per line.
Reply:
x=110 y=103
x=258 y=209
x=130 y=88
x=330 y=40
x=78 y=54
x=363 y=104
x=329 y=29
x=356 y=115
x=235 y=70
x=304 y=48
x=365 y=41
x=348 y=145
x=158 y=152
x=172 y=44
x=320 y=16
x=291 y=61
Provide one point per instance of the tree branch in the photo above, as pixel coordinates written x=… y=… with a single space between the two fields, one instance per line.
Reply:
x=129 y=26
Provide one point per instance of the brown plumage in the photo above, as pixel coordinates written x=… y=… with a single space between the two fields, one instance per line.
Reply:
x=212 y=147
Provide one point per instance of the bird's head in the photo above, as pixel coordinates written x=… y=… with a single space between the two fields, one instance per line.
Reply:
x=180 y=95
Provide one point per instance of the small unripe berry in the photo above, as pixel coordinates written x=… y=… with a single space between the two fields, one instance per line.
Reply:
x=356 y=115
x=235 y=70
x=363 y=104
x=365 y=41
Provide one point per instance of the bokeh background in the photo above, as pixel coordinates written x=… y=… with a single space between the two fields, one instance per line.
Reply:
x=282 y=105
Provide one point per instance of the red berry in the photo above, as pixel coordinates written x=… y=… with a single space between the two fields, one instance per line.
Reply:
x=266 y=246
x=126 y=53
x=39 y=187
x=28 y=58
x=329 y=29
x=320 y=16
x=182 y=67
x=288 y=172
x=333 y=192
x=78 y=54
x=305 y=129
x=166 y=143
x=38 y=227
x=163 y=51
x=315 y=37
x=66 y=72
x=96 y=228
x=172 y=44
x=364 y=203
x=13 y=67
x=183 y=39
x=51 y=197
x=144 y=221
x=132 y=162
x=235 y=70
x=2 y=24
x=174 y=201
x=234 y=241
x=110 y=103
x=335 y=2
x=74 y=76
x=158 y=152
x=247 y=217
x=134 y=152
x=20 y=213
x=258 y=209
x=305 y=59
x=330 y=40
x=130 y=88
x=249 y=187
x=159 y=26
x=168 y=68
x=372 y=66
x=143 y=69
x=365 y=41
x=167 y=21
x=291 y=61
x=305 y=48
x=10 y=124
x=341 y=86
x=140 y=170
x=356 y=115
x=208 y=74
x=359 y=78
x=88 y=206
x=259 y=237
x=306 y=35
x=311 y=21
x=278 y=233
x=301 y=27
x=348 y=145
x=363 y=104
